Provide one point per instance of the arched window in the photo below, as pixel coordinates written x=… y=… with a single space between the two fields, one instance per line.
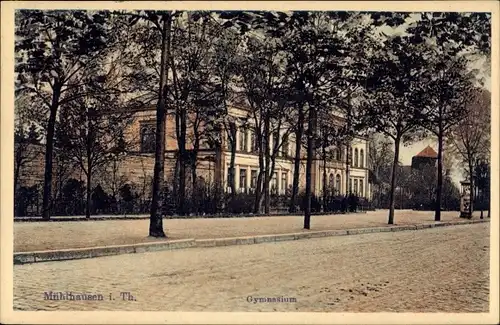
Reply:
x=337 y=184
x=148 y=138
x=361 y=158
x=331 y=181
x=356 y=157
x=243 y=139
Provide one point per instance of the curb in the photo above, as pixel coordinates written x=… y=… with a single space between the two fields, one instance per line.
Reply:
x=91 y=252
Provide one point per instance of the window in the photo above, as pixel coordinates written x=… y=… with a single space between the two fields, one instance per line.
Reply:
x=148 y=141
x=243 y=178
x=352 y=157
x=284 y=181
x=285 y=146
x=361 y=158
x=276 y=141
x=231 y=136
x=356 y=157
x=243 y=139
x=350 y=185
x=229 y=178
x=356 y=186
x=274 y=183
x=331 y=181
x=361 y=190
x=253 y=139
x=253 y=179
x=338 y=154
x=337 y=184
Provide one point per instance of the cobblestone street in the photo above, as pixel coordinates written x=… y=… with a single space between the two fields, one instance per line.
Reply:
x=440 y=269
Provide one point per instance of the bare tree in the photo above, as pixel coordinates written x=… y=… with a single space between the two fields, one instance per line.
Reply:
x=394 y=76
x=455 y=36
x=380 y=155
x=26 y=137
x=469 y=139
x=263 y=81
x=444 y=99
x=91 y=136
x=53 y=47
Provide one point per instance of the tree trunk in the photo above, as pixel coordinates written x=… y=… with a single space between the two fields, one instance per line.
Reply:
x=268 y=172
x=260 y=177
x=49 y=150
x=263 y=142
x=88 y=199
x=217 y=178
x=194 y=183
x=296 y=166
x=258 y=188
x=176 y=182
x=183 y=161
x=296 y=171
x=232 y=171
x=271 y=173
x=482 y=204
x=194 y=159
x=16 y=176
x=437 y=215
x=472 y=186
x=266 y=190
x=393 y=180
x=347 y=170
x=310 y=151
x=156 y=216
x=325 y=196
x=489 y=208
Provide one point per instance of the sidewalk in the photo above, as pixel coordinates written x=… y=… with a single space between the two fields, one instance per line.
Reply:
x=44 y=236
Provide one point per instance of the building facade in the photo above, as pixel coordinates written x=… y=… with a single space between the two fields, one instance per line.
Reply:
x=214 y=166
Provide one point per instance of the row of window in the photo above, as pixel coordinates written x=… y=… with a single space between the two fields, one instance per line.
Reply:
x=358 y=186
x=355 y=160
x=334 y=182
x=245 y=133
x=253 y=179
x=148 y=144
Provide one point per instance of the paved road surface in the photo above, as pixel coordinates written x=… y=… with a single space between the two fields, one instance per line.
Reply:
x=441 y=269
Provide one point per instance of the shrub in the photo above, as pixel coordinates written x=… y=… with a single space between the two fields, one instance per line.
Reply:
x=100 y=200
x=335 y=203
x=128 y=199
x=73 y=198
x=353 y=202
x=240 y=203
x=315 y=202
x=25 y=199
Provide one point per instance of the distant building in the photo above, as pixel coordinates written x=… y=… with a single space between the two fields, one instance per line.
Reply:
x=426 y=157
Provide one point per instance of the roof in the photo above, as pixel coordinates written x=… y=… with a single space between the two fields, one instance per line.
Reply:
x=428 y=152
